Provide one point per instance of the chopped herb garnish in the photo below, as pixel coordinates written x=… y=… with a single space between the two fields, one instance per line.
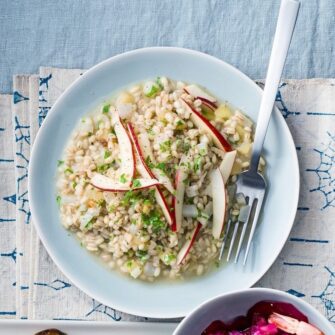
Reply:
x=142 y=254
x=186 y=181
x=101 y=202
x=104 y=167
x=89 y=224
x=149 y=163
x=161 y=166
x=154 y=220
x=74 y=184
x=168 y=258
x=113 y=131
x=58 y=200
x=180 y=123
x=105 y=108
x=150 y=131
x=165 y=146
x=151 y=196
x=106 y=154
x=159 y=83
x=123 y=178
x=150 y=89
x=130 y=198
x=197 y=163
x=59 y=163
x=186 y=147
x=137 y=183
x=111 y=209
x=129 y=264
x=68 y=170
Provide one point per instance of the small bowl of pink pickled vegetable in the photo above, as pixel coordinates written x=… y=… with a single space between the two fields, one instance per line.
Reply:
x=257 y=311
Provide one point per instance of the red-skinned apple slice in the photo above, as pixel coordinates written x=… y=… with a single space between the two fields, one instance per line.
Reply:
x=227 y=164
x=199 y=93
x=163 y=179
x=185 y=249
x=178 y=199
x=107 y=184
x=213 y=106
x=204 y=125
x=127 y=155
x=219 y=202
x=144 y=143
x=145 y=172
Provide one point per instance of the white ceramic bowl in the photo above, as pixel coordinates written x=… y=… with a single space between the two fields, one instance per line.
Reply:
x=161 y=299
x=230 y=305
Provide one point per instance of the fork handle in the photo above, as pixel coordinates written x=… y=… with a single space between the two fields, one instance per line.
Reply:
x=285 y=26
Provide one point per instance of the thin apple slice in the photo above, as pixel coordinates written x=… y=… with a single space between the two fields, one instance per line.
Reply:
x=163 y=179
x=164 y=206
x=226 y=165
x=178 y=199
x=199 y=93
x=127 y=155
x=143 y=148
x=145 y=172
x=185 y=249
x=104 y=183
x=145 y=145
x=140 y=155
x=219 y=202
x=204 y=125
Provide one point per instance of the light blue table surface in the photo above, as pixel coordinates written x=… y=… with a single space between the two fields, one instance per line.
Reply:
x=80 y=33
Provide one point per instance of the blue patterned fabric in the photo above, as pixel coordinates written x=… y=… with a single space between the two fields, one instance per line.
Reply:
x=78 y=34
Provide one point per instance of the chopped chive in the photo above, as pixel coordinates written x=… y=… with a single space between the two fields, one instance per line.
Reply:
x=59 y=163
x=74 y=184
x=58 y=200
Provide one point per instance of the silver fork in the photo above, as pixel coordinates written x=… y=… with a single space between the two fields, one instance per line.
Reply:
x=251 y=183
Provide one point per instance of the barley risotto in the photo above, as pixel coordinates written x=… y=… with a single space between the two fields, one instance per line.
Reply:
x=146 y=181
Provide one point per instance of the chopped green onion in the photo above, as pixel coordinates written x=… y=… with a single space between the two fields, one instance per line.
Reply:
x=58 y=200
x=74 y=184
x=151 y=89
x=59 y=163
